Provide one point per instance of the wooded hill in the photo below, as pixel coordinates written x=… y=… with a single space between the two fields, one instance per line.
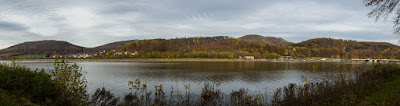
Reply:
x=268 y=40
x=260 y=47
x=109 y=46
x=42 y=47
x=52 y=47
x=222 y=47
x=323 y=47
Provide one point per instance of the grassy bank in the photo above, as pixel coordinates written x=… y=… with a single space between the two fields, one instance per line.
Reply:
x=387 y=94
x=345 y=90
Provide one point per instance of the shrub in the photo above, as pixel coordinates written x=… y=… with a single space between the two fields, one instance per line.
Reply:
x=210 y=95
x=70 y=82
x=344 y=90
x=36 y=85
x=241 y=98
x=102 y=97
x=65 y=85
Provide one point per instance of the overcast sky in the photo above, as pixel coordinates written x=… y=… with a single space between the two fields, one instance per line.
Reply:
x=91 y=23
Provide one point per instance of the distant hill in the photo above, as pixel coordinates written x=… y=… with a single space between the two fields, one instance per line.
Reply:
x=109 y=46
x=227 y=47
x=42 y=47
x=323 y=47
x=220 y=47
x=268 y=40
x=178 y=44
x=339 y=43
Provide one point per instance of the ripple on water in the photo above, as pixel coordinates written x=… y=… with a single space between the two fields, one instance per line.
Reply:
x=264 y=77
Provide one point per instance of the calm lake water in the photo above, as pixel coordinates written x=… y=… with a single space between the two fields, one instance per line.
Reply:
x=256 y=76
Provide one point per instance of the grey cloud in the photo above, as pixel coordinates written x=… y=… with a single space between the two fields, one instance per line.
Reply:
x=92 y=23
x=11 y=26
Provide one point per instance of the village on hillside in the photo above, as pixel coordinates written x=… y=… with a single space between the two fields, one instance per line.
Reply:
x=127 y=54
x=104 y=53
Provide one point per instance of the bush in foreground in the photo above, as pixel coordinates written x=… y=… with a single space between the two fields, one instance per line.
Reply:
x=40 y=87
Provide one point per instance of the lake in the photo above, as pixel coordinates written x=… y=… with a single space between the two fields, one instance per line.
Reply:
x=256 y=76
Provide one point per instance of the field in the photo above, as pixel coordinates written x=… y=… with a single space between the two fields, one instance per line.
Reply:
x=30 y=56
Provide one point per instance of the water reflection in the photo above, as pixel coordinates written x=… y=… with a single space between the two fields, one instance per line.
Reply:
x=244 y=66
x=255 y=75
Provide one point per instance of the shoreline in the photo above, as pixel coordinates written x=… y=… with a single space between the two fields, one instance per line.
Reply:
x=186 y=60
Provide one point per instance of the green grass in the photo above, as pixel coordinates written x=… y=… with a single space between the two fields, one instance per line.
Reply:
x=5 y=99
x=31 y=56
x=387 y=94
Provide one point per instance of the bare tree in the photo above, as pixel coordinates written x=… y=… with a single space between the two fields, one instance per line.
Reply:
x=385 y=8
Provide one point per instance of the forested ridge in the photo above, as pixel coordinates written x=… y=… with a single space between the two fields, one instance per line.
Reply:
x=219 y=47
x=53 y=47
x=42 y=47
x=268 y=40
x=109 y=46
x=228 y=47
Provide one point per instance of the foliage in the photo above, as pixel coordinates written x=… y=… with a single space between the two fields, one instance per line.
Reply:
x=36 y=85
x=159 y=93
x=241 y=98
x=40 y=87
x=102 y=97
x=388 y=94
x=140 y=96
x=226 y=47
x=70 y=81
x=272 y=56
x=210 y=95
x=345 y=90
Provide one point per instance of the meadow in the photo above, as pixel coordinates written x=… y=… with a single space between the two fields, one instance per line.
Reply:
x=31 y=56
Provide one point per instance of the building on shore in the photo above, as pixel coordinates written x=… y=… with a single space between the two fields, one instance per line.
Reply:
x=249 y=57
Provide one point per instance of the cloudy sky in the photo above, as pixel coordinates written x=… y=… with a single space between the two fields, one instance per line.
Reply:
x=91 y=23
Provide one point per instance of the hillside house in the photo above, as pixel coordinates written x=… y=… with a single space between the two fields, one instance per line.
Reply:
x=135 y=53
x=249 y=57
x=84 y=56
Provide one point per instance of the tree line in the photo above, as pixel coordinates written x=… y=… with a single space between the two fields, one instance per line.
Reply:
x=228 y=47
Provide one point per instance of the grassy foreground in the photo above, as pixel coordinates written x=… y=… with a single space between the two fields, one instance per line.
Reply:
x=388 y=94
